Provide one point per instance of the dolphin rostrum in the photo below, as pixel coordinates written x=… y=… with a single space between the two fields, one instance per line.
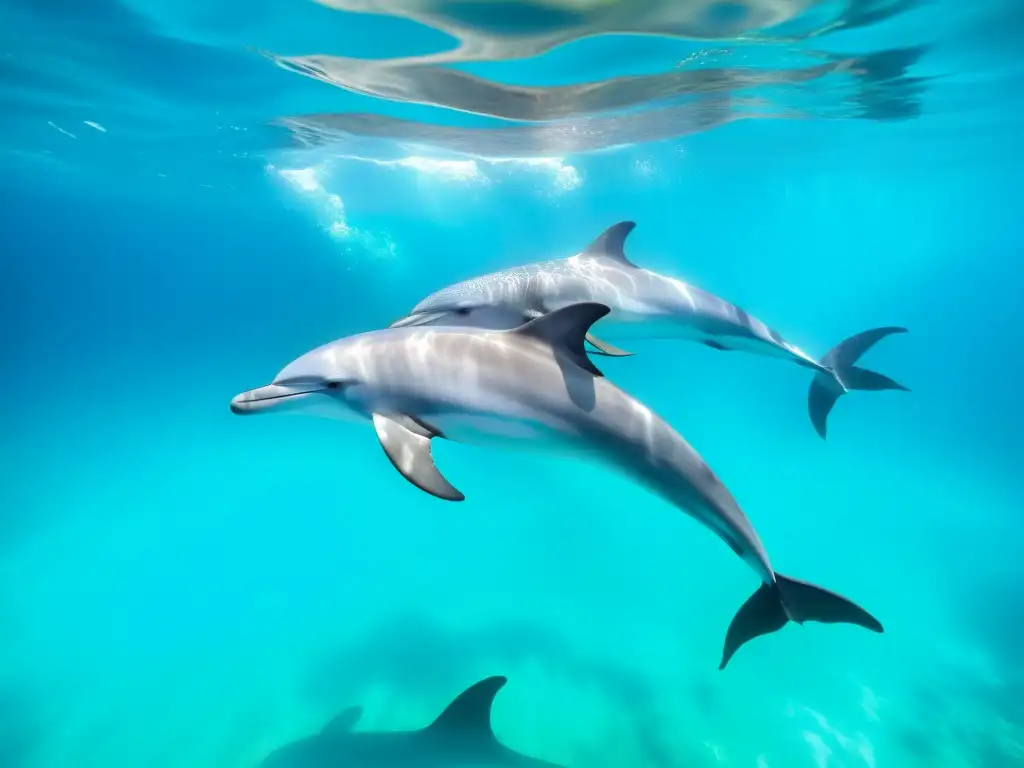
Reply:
x=533 y=386
x=460 y=736
x=645 y=304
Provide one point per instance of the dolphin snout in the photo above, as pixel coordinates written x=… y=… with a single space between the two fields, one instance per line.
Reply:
x=279 y=397
x=242 y=404
x=423 y=318
x=404 y=322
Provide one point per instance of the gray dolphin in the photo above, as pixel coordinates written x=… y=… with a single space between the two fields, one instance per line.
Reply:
x=645 y=304
x=535 y=387
x=460 y=736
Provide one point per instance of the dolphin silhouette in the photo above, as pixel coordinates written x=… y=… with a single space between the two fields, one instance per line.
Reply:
x=460 y=736
x=533 y=386
x=645 y=304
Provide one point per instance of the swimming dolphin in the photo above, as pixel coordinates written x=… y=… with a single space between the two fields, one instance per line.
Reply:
x=460 y=736
x=532 y=386
x=645 y=304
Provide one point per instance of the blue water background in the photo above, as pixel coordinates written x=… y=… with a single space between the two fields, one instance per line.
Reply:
x=180 y=587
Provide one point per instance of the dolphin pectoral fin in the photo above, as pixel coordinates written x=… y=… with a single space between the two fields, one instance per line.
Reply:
x=604 y=348
x=416 y=425
x=715 y=345
x=566 y=330
x=610 y=244
x=344 y=721
x=409 y=451
x=772 y=606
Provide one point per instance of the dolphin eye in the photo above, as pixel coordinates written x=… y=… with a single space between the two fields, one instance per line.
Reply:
x=462 y=311
x=336 y=384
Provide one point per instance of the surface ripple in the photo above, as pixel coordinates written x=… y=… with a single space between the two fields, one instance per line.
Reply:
x=122 y=80
x=768 y=69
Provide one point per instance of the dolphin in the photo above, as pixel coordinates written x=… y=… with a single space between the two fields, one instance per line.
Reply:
x=645 y=304
x=534 y=387
x=460 y=736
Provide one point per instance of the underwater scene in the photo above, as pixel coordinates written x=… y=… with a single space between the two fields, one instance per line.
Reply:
x=511 y=383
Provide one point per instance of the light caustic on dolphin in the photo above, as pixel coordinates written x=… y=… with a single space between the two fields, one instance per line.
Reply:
x=645 y=304
x=460 y=736
x=533 y=387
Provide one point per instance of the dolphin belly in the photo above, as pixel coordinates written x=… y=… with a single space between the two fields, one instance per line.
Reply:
x=520 y=432
x=632 y=324
x=765 y=347
x=486 y=429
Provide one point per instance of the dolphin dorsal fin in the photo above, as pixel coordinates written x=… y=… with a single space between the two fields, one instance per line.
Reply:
x=610 y=243
x=343 y=722
x=566 y=329
x=468 y=717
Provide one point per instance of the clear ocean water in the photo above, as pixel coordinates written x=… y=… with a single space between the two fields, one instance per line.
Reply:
x=196 y=192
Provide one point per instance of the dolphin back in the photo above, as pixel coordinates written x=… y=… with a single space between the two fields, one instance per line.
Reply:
x=460 y=735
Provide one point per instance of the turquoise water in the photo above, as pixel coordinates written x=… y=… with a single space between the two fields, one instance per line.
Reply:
x=194 y=194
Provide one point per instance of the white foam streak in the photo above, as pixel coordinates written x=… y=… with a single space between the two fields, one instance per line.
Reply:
x=481 y=171
x=331 y=210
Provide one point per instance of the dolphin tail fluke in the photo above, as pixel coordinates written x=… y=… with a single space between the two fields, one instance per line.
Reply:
x=845 y=376
x=771 y=607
